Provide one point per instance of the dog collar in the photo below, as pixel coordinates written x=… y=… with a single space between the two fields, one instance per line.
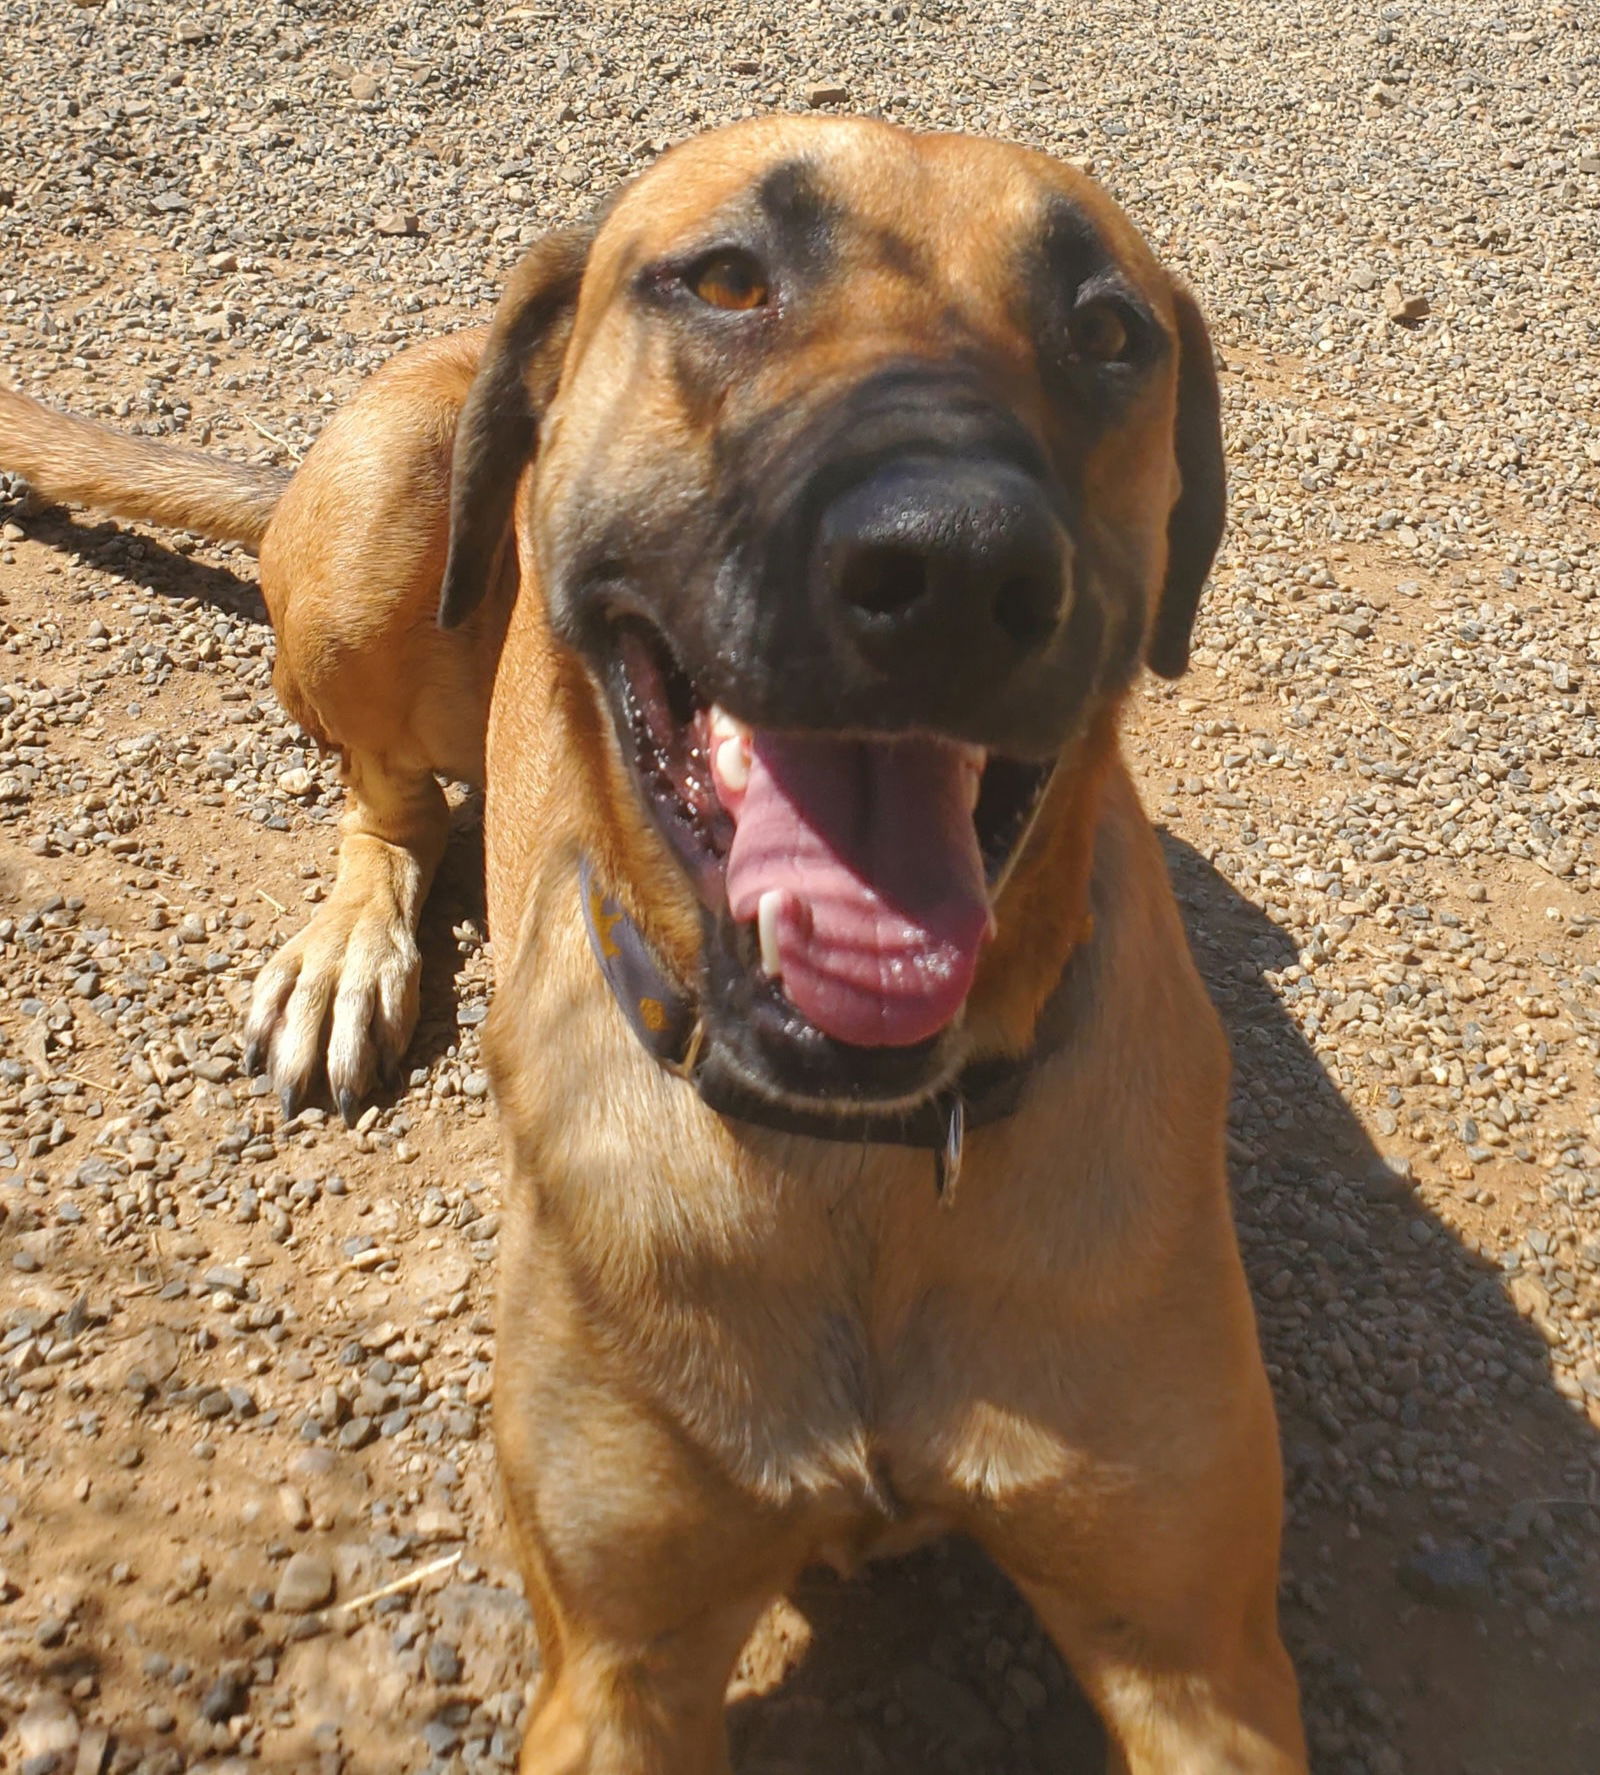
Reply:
x=667 y=1023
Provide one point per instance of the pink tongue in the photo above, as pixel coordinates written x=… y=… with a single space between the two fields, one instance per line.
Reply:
x=871 y=845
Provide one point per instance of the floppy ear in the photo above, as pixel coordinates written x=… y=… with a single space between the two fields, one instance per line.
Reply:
x=1194 y=528
x=498 y=429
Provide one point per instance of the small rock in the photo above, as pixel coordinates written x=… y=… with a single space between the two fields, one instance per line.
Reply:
x=365 y=86
x=47 y=1727
x=441 y=1737
x=1402 y=309
x=827 y=93
x=312 y=1463
x=396 y=222
x=305 y=1583
x=92 y=1748
x=1529 y=1297
x=357 y=1433
x=444 y=1662
x=292 y=1503
x=435 y=1523
x=227 y=1696
x=1452 y=1576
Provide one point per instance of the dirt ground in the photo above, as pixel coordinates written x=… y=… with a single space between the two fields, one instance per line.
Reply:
x=245 y=1362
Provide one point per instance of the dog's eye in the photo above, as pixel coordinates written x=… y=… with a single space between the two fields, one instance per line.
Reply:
x=729 y=279
x=1099 y=332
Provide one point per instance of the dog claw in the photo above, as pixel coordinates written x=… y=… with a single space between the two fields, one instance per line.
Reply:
x=255 y=1057
x=349 y=1105
x=292 y=1098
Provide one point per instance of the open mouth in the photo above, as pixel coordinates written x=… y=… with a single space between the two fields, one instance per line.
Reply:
x=858 y=872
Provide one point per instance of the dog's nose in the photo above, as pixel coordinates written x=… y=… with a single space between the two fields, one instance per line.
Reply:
x=955 y=562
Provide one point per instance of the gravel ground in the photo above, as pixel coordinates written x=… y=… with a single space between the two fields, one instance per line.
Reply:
x=243 y=1363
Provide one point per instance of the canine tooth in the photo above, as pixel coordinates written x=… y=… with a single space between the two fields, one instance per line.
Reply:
x=725 y=726
x=973 y=763
x=771 y=904
x=733 y=764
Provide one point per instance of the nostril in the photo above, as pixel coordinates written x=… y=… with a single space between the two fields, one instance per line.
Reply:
x=882 y=581
x=1026 y=607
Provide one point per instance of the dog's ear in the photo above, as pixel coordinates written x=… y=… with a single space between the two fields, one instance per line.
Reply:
x=498 y=429
x=1194 y=528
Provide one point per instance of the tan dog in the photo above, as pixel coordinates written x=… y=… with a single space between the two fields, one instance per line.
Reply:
x=818 y=506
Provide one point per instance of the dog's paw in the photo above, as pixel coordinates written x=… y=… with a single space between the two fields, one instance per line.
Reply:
x=339 y=999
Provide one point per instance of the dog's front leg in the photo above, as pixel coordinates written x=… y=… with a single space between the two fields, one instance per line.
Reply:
x=658 y=1709
x=1222 y=1702
x=345 y=989
x=1161 y=1594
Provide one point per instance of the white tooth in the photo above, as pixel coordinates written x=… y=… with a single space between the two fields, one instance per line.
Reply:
x=733 y=765
x=767 y=930
x=975 y=760
x=725 y=726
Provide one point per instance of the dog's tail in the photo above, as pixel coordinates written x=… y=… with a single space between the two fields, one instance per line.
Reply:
x=77 y=462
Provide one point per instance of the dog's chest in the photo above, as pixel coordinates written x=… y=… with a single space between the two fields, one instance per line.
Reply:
x=837 y=1344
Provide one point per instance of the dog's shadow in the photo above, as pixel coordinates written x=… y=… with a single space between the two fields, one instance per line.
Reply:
x=143 y=562
x=933 y=1662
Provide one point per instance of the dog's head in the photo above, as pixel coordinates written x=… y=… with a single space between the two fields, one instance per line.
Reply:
x=869 y=467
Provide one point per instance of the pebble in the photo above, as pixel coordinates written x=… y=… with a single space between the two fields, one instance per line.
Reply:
x=444 y=1662
x=46 y=1727
x=227 y=1695
x=1457 y=1576
x=306 y=1583
x=293 y=1506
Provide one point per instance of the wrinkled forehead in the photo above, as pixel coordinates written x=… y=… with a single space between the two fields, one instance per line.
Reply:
x=834 y=195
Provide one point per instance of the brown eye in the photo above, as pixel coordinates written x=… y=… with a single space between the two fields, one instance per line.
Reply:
x=729 y=280
x=1099 y=333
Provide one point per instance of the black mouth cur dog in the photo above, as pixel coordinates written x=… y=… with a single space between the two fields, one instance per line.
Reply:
x=794 y=537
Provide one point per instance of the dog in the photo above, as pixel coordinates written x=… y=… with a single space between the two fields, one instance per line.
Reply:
x=780 y=559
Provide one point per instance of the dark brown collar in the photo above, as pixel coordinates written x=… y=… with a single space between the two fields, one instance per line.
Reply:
x=666 y=1021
